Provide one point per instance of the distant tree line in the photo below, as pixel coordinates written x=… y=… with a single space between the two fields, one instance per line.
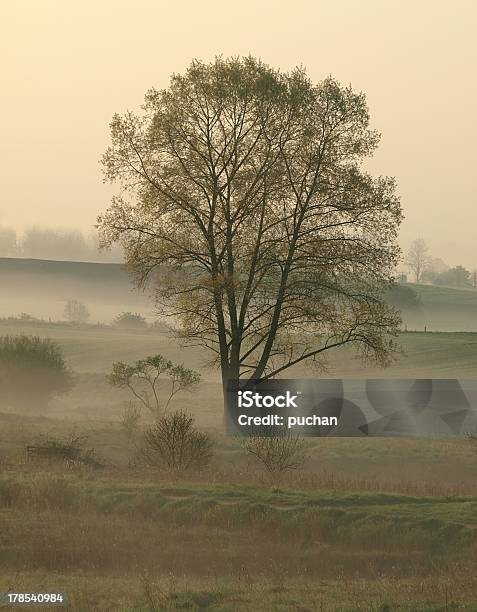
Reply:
x=426 y=269
x=55 y=244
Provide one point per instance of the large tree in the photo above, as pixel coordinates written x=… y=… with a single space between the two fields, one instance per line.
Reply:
x=244 y=196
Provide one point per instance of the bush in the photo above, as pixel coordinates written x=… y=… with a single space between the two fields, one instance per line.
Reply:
x=277 y=453
x=174 y=442
x=68 y=451
x=131 y=320
x=76 y=312
x=32 y=369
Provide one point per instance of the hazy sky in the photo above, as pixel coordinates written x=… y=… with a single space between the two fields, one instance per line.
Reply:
x=67 y=66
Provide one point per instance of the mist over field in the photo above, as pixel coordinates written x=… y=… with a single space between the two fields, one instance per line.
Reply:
x=41 y=288
x=368 y=504
x=294 y=186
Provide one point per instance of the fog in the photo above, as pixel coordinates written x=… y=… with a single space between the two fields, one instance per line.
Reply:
x=55 y=244
x=42 y=288
x=98 y=498
x=66 y=68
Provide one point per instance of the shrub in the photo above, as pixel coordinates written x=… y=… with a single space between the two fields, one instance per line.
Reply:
x=32 y=369
x=277 y=453
x=69 y=451
x=174 y=442
x=130 y=417
x=131 y=320
x=76 y=312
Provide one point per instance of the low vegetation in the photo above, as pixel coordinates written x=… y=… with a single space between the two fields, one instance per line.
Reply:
x=363 y=525
x=130 y=420
x=130 y=320
x=277 y=453
x=32 y=371
x=241 y=547
x=69 y=451
x=174 y=442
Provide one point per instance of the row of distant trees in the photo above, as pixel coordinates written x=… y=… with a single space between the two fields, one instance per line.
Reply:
x=49 y=243
x=427 y=269
x=77 y=312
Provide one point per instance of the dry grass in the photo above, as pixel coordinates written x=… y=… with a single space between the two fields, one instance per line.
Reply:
x=227 y=541
x=231 y=538
x=423 y=480
x=455 y=592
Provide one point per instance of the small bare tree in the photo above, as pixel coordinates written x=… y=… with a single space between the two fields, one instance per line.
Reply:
x=144 y=377
x=418 y=259
x=282 y=451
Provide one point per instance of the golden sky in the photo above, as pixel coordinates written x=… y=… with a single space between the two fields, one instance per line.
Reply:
x=66 y=66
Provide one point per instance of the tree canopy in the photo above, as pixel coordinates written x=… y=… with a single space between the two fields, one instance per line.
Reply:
x=144 y=377
x=243 y=192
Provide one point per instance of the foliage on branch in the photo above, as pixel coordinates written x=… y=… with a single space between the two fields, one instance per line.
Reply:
x=243 y=189
x=146 y=378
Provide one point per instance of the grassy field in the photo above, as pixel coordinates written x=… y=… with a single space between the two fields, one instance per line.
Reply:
x=376 y=524
x=41 y=289
x=444 y=309
x=128 y=543
x=435 y=295
x=92 y=349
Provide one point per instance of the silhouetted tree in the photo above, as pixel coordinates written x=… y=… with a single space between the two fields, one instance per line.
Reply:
x=244 y=186
x=418 y=258
x=8 y=242
x=454 y=277
x=76 y=311
x=48 y=243
x=144 y=378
